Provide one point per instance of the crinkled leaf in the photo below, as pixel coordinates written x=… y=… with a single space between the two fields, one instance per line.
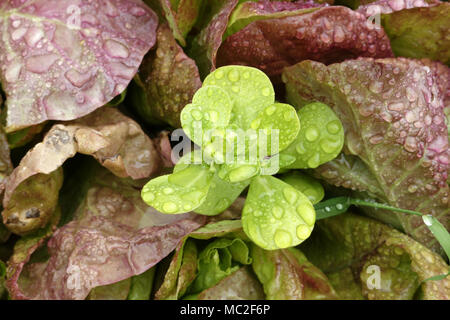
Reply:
x=420 y=32
x=166 y=82
x=320 y=139
x=372 y=8
x=181 y=272
x=248 y=12
x=276 y=215
x=287 y=275
x=307 y=185
x=207 y=42
x=33 y=202
x=372 y=249
x=2 y=280
x=218 y=260
x=328 y=35
x=239 y=285
x=114 y=236
x=181 y=15
x=6 y=166
x=179 y=192
x=115 y=140
x=63 y=59
x=392 y=124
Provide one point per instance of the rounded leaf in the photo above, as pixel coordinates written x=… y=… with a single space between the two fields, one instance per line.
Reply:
x=307 y=185
x=276 y=215
x=249 y=88
x=179 y=192
x=320 y=139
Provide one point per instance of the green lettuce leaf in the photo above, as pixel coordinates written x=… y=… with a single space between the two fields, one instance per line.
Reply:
x=420 y=32
x=392 y=125
x=366 y=259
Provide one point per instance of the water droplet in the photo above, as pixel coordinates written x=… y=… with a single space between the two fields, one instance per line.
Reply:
x=255 y=124
x=288 y=115
x=311 y=134
x=242 y=173
x=333 y=127
x=218 y=74
x=148 y=196
x=18 y=34
x=339 y=34
x=76 y=78
x=339 y=206
x=233 y=75
x=290 y=195
x=271 y=110
x=410 y=144
x=329 y=146
x=300 y=148
x=167 y=191
x=376 y=87
x=282 y=239
x=266 y=92
x=214 y=116
x=396 y=106
x=33 y=36
x=277 y=212
x=257 y=213
x=303 y=232
x=412 y=188
x=115 y=49
x=197 y=115
x=376 y=139
x=306 y=211
x=40 y=64
x=411 y=94
x=13 y=71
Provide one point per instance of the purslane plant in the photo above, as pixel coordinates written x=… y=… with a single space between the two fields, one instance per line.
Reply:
x=242 y=130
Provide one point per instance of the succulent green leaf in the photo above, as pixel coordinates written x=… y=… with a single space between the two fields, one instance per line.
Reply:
x=249 y=88
x=320 y=139
x=221 y=195
x=210 y=108
x=278 y=116
x=307 y=185
x=276 y=215
x=235 y=173
x=179 y=192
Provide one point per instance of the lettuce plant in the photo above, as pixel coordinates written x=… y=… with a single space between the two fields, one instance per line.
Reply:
x=241 y=130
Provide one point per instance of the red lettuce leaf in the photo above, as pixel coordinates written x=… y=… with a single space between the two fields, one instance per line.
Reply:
x=115 y=140
x=166 y=83
x=205 y=45
x=63 y=59
x=389 y=6
x=114 y=236
x=392 y=113
x=328 y=35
